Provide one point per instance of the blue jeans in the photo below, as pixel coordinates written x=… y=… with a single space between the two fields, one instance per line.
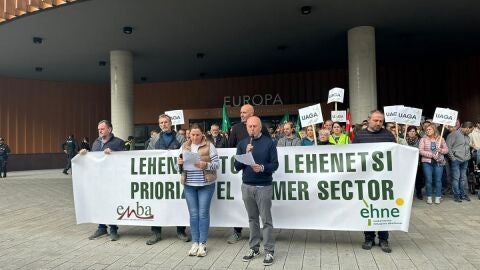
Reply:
x=459 y=174
x=432 y=172
x=198 y=202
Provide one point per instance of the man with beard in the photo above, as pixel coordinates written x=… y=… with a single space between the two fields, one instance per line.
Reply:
x=375 y=133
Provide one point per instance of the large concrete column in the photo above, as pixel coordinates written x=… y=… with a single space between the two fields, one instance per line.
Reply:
x=121 y=76
x=362 y=72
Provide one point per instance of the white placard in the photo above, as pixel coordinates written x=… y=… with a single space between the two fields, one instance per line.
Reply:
x=339 y=116
x=445 y=116
x=391 y=112
x=409 y=116
x=336 y=95
x=310 y=115
x=177 y=117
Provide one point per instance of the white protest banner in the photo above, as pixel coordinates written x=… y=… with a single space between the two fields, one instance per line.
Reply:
x=177 y=117
x=409 y=116
x=335 y=95
x=357 y=187
x=310 y=115
x=445 y=116
x=339 y=116
x=391 y=112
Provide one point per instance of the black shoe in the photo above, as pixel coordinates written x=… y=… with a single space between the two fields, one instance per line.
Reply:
x=154 y=238
x=420 y=196
x=457 y=199
x=250 y=255
x=385 y=246
x=183 y=236
x=268 y=259
x=466 y=198
x=114 y=235
x=65 y=172
x=368 y=244
x=99 y=232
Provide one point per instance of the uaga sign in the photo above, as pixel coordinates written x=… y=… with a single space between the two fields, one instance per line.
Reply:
x=347 y=187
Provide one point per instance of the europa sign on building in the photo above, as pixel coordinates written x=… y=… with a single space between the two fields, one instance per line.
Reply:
x=255 y=100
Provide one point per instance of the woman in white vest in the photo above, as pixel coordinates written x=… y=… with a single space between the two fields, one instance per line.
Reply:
x=199 y=185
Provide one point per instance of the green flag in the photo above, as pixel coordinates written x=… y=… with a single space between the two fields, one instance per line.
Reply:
x=286 y=118
x=225 y=120
x=298 y=126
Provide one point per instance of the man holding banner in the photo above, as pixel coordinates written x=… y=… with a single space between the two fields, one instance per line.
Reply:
x=167 y=140
x=372 y=134
x=257 y=190
x=107 y=143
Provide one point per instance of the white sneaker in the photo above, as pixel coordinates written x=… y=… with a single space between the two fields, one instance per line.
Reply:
x=194 y=250
x=429 y=200
x=437 y=200
x=202 y=250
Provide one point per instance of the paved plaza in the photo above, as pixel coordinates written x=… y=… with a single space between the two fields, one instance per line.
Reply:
x=38 y=231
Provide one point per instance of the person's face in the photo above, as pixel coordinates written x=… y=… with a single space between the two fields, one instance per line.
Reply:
x=375 y=122
x=412 y=133
x=214 y=130
x=310 y=132
x=187 y=134
x=104 y=131
x=467 y=131
x=392 y=129
x=430 y=131
x=287 y=130
x=196 y=136
x=2 y=141
x=328 y=125
x=181 y=132
x=323 y=137
x=165 y=124
x=245 y=112
x=254 y=126
x=337 y=129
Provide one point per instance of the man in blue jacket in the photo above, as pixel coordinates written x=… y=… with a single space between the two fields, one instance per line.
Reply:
x=257 y=187
x=167 y=140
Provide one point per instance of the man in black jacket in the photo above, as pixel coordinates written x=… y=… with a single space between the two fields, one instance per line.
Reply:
x=4 y=153
x=69 y=147
x=218 y=140
x=375 y=133
x=107 y=143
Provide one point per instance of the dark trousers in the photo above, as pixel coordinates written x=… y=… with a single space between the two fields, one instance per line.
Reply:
x=112 y=227
x=419 y=181
x=370 y=236
x=69 y=162
x=3 y=167
x=157 y=229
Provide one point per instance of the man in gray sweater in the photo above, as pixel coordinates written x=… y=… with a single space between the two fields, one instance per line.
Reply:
x=459 y=153
x=289 y=138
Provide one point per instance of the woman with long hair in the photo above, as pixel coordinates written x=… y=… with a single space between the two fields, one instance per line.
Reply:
x=432 y=148
x=199 y=185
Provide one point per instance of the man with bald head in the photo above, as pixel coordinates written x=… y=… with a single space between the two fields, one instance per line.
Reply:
x=257 y=188
x=239 y=132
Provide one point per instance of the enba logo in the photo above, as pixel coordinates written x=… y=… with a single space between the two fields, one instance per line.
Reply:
x=138 y=212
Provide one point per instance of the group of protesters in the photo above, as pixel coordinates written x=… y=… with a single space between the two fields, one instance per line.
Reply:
x=250 y=136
